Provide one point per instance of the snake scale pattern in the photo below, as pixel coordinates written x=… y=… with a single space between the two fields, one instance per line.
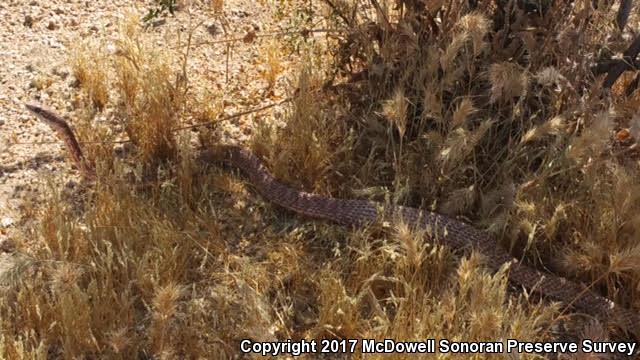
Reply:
x=451 y=232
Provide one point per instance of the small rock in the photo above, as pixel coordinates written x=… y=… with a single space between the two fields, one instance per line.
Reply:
x=240 y=13
x=6 y=222
x=28 y=21
x=159 y=22
x=1 y=122
x=52 y=25
x=7 y=245
x=58 y=11
x=212 y=29
x=54 y=43
x=62 y=73
x=111 y=49
x=71 y=185
x=73 y=22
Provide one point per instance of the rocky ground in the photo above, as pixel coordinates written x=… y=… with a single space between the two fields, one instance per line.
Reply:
x=35 y=40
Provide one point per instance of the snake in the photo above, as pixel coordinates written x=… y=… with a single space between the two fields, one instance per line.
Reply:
x=451 y=232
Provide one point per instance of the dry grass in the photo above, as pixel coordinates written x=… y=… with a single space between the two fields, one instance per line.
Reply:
x=152 y=93
x=478 y=113
x=91 y=71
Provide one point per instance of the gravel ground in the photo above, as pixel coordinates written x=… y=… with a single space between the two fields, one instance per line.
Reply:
x=35 y=38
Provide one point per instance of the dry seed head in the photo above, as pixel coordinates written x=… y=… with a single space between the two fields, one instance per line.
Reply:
x=587 y=257
x=467 y=268
x=165 y=301
x=559 y=215
x=549 y=76
x=625 y=260
x=463 y=111
x=447 y=60
x=66 y=276
x=594 y=138
x=508 y=80
x=432 y=104
x=411 y=242
x=119 y=340
x=461 y=143
x=477 y=26
x=553 y=126
x=395 y=110
x=594 y=331
x=455 y=146
x=528 y=208
x=460 y=200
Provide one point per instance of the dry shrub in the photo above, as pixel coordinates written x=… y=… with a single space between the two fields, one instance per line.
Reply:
x=91 y=70
x=272 y=64
x=115 y=285
x=152 y=94
x=303 y=150
x=495 y=116
x=400 y=287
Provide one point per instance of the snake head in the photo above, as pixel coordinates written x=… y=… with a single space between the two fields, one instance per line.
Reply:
x=37 y=110
x=50 y=118
x=42 y=113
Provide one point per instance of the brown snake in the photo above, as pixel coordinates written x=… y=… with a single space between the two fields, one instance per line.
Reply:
x=453 y=233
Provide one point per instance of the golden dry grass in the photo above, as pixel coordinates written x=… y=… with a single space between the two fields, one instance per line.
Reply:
x=467 y=120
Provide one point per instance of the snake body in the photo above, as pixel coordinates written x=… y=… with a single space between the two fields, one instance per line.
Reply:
x=356 y=213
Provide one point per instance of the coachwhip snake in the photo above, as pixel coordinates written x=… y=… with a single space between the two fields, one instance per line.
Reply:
x=451 y=232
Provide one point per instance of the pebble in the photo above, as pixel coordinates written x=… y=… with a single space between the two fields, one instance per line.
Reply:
x=159 y=22
x=62 y=73
x=6 y=222
x=28 y=21
x=212 y=29
x=7 y=245
x=52 y=25
x=240 y=13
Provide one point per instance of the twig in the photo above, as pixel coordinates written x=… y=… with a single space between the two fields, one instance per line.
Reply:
x=340 y=14
x=232 y=116
x=623 y=13
x=303 y=32
x=61 y=142
x=382 y=14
